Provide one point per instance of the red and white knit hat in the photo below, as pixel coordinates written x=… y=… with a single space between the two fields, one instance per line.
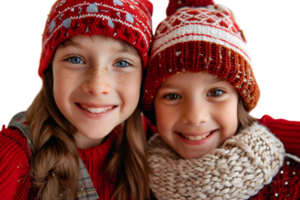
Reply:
x=127 y=20
x=200 y=37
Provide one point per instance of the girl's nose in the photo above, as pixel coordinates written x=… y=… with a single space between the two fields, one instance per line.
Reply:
x=98 y=82
x=195 y=113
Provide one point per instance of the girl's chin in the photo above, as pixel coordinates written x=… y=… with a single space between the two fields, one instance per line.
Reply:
x=96 y=135
x=194 y=152
x=192 y=155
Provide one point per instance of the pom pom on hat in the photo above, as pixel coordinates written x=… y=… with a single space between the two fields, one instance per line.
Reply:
x=174 y=5
x=205 y=39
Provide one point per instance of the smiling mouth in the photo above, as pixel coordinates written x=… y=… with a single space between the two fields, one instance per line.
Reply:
x=196 y=138
x=97 y=110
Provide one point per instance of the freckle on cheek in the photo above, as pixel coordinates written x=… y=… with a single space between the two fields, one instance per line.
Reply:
x=122 y=80
x=72 y=78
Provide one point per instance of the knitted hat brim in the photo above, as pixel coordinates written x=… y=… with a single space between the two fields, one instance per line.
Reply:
x=206 y=57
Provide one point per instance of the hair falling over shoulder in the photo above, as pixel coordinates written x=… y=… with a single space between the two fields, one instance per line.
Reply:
x=132 y=161
x=55 y=167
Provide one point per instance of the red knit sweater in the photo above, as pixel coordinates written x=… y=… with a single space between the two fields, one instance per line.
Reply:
x=15 y=179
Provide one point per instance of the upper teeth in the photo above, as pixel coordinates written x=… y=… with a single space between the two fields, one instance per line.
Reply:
x=97 y=110
x=196 y=137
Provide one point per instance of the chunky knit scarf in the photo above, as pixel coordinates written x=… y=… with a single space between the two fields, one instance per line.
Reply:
x=237 y=170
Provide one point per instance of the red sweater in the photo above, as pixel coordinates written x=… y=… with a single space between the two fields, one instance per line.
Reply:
x=15 y=179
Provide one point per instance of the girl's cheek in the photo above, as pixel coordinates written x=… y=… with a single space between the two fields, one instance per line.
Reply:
x=63 y=75
x=66 y=77
x=129 y=82
x=164 y=117
x=123 y=79
x=76 y=76
x=227 y=115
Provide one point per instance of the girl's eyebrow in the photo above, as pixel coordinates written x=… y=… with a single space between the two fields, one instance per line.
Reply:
x=127 y=50
x=69 y=42
x=216 y=80
x=168 y=86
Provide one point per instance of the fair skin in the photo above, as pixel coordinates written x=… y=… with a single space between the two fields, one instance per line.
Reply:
x=195 y=113
x=96 y=85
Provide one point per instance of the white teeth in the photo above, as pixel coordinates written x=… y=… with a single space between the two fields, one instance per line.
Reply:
x=197 y=137
x=97 y=110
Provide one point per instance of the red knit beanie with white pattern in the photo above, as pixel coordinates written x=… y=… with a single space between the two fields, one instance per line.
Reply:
x=127 y=20
x=199 y=36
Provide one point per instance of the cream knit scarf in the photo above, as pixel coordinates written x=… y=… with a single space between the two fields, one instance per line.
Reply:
x=237 y=170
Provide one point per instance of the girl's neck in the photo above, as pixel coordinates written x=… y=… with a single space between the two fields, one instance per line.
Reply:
x=83 y=142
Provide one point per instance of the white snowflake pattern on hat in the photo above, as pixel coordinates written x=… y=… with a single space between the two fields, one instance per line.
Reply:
x=118 y=2
x=85 y=16
x=129 y=18
x=118 y=14
x=67 y=23
x=52 y=26
x=110 y=23
x=93 y=8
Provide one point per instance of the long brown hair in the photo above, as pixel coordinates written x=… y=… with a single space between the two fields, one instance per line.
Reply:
x=244 y=118
x=55 y=166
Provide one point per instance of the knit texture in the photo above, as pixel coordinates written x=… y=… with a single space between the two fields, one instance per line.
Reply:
x=127 y=20
x=96 y=161
x=285 y=185
x=287 y=131
x=174 y=5
x=237 y=170
x=15 y=178
x=205 y=39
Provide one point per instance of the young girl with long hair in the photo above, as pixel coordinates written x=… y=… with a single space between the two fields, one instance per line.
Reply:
x=82 y=137
x=199 y=90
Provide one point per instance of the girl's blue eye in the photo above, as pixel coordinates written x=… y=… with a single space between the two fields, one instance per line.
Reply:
x=75 y=60
x=122 y=63
x=172 y=96
x=215 y=93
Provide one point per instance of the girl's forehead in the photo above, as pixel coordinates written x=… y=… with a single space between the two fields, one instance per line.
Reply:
x=191 y=78
x=81 y=40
